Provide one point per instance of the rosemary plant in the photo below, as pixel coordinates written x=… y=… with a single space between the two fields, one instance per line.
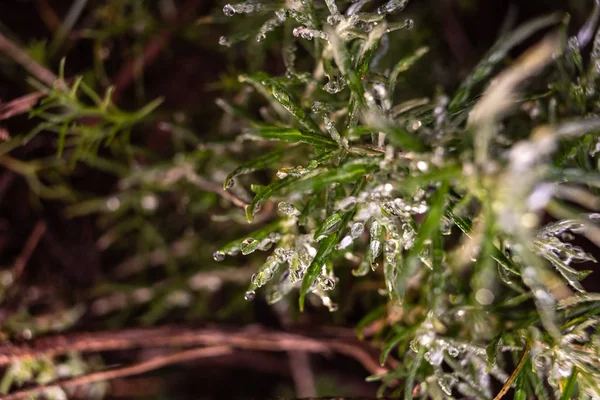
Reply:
x=465 y=205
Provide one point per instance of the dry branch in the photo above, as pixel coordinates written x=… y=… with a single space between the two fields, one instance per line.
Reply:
x=137 y=369
x=258 y=339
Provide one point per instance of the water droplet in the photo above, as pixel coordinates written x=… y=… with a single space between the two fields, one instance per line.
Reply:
x=303 y=32
x=224 y=41
x=446 y=226
x=287 y=209
x=409 y=23
x=434 y=357
x=229 y=183
x=113 y=204
x=335 y=85
x=250 y=295
x=422 y=166
x=453 y=351
x=149 y=202
x=344 y=243
x=347 y=203
x=484 y=297
x=328 y=284
x=249 y=245
x=446 y=381
x=218 y=256
x=228 y=10
x=391 y=246
x=375 y=247
x=260 y=37
x=267 y=274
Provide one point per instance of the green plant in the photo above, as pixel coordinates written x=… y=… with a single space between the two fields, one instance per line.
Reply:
x=441 y=200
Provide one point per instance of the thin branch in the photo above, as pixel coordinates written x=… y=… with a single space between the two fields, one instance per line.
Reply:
x=137 y=369
x=20 y=105
x=20 y=56
x=513 y=376
x=261 y=340
x=32 y=242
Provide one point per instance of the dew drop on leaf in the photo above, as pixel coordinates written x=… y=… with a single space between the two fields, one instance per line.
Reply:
x=357 y=229
x=218 y=256
x=344 y=243
x=228 y=10
x=224 y=41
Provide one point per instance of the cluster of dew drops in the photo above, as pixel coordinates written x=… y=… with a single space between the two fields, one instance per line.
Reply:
x=375 y=207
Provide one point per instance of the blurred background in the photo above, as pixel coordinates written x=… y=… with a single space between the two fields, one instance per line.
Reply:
x=123 y=237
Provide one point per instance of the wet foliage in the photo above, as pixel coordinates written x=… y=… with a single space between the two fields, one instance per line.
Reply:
x=341 y=176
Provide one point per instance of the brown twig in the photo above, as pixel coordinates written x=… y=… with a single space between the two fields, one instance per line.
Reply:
x=32 y=242
x=20 y=56
x=512 y=376
x=262 y=340
x=20 y=105
x=137 y=369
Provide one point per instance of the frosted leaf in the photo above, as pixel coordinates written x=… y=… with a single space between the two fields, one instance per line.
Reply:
x=344 y=243
x=270 y=25
x=250 y=295
x=218 y=256
x=247 y=7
